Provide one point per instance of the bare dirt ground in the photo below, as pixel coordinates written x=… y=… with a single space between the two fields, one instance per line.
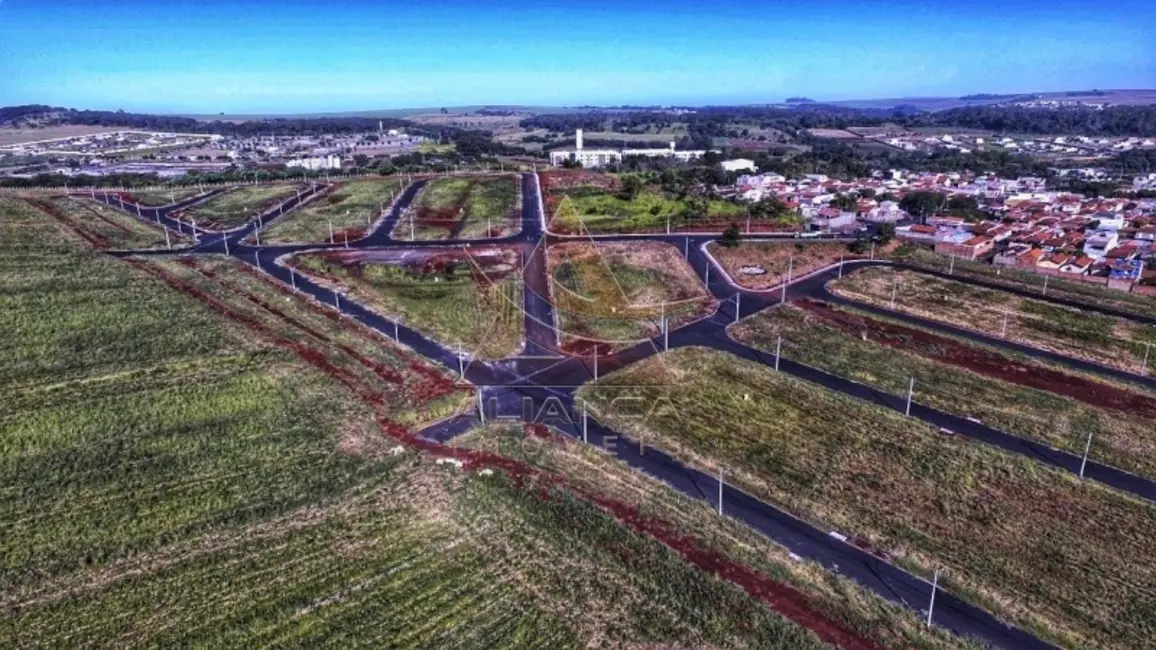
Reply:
x=984 y=362
x=775 y=259
x=497 y=263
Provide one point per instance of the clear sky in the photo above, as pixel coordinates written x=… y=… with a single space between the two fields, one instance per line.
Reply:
x=248 y=56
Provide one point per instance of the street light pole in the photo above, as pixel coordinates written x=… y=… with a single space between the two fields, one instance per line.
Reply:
x=1087 y=448
x=934 y=588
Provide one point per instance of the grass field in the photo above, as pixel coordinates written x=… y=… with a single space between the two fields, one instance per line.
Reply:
x=101 y=226
x=596 y=209
x=463 y=207
x=1086 y=335
x=638 y=497
x=761 y=265
x=613 y=295
x=455 y=296
x=164 y=196
x=1091 y=294
x=351 y=208
x=191 y=458
x=237 y=206
x=989 y=392
x=1065 y=558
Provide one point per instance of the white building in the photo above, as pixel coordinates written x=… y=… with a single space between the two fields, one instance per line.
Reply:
x=739 y=164
x=316 y=163
x=601 y=157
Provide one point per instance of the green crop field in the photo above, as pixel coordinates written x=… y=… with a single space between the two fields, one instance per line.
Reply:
x=479 y=309
x=1075 y=290
x=191 y=457
x=1083 y=334
x=103 y=227
x=463 y=207
x=1119 y=437
x=237 y=206
x=1036 y=546
x=619 y=293
x=350 y=209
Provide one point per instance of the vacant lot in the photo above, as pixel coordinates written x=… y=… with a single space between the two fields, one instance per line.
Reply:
x=463 y=207
x=694 y=530
x=346 y=212
x=101 y=226
x=1021 y=397
x=1086 y=335
x=1065 y=558
x=238 y=206
x=164 y=196
x=1075 y=290
x=597 y=203
x=609 y=296
x=762 y=265
x=471 y=297
x=193 y=457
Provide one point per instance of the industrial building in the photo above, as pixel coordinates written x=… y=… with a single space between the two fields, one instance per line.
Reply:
x=601 y=157
x=317 y=163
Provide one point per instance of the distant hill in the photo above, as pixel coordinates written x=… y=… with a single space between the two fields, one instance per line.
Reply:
x=800 y=100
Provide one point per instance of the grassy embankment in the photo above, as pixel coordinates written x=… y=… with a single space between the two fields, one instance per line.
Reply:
x=351 y=208
x=191 y=468
x=453 y=305
x=1110 y=341
x=889 y=362
x=1064 y=558
x=164 y=196
x=618 y=293
x=1075 y=290
x=237 y=206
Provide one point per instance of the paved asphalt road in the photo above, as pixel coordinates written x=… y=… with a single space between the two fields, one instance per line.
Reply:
x=542 y=376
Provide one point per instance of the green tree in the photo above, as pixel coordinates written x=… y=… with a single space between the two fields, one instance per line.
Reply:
x=885 y=233
x=844 y=202
x=732 y=236
x=922 y=203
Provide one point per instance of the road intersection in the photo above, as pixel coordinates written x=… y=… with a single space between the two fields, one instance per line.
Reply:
x=545 y=376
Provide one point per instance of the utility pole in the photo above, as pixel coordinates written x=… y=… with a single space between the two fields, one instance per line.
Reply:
x=894 y=289
x=330 y=230
x=665 y=334
x=337 y=299
x=461 y=364
x=738 y=305
x=585 y=440
x=720 y=491
x=1087 y=448
x=872 y=249
x=910 y=394
x=168 y=242
x=1045 y=291
x=1003 y=327
x=1147 y=350
x=790 y=269
x=934 y=588
x=596 y=363
x=951 y=269
x=686 y=248
x=708 y=275
x=293 y=278
x=396 y=333
x=778 y=351
x=225 y=238
x=840 y=265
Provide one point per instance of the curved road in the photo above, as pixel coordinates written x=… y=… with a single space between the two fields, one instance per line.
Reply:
x=540 y=376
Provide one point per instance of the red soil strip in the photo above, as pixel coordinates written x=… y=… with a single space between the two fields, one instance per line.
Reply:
x=785 y=599
x=447 y=218
x=105 y=219
x=984 y=362
x=96 y=240
x=782 y=598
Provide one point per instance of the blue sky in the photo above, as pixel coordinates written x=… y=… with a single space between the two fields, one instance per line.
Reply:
x=209 y=56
